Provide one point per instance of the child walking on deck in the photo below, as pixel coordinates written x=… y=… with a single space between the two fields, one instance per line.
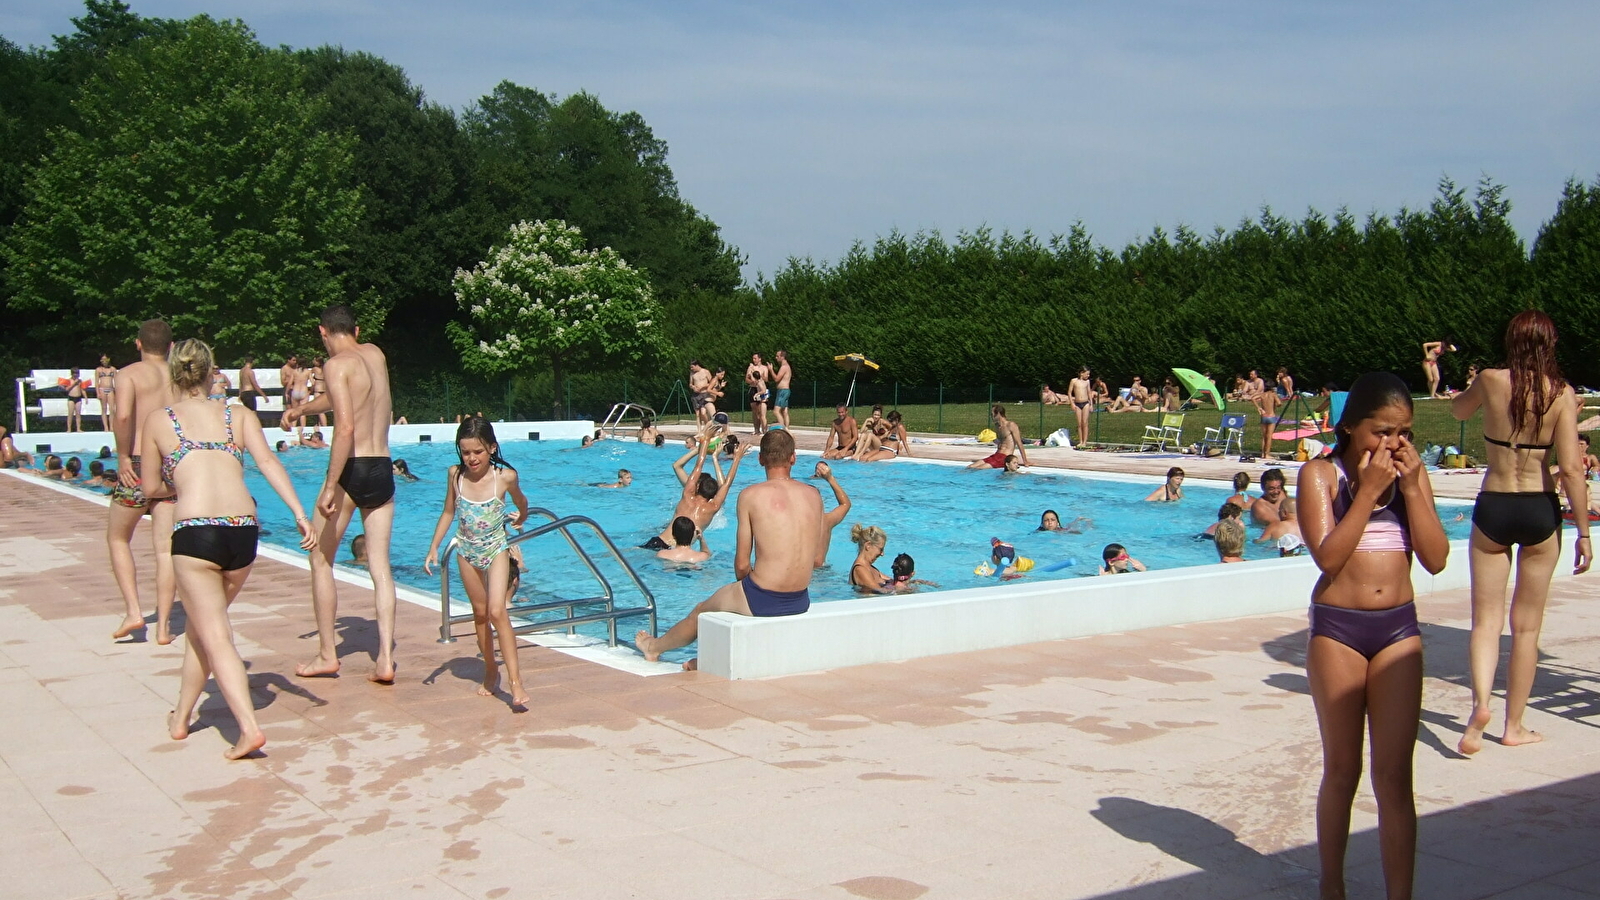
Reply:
x=475 y=493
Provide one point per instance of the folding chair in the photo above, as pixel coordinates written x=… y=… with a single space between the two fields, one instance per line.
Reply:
x=1170 y=431
x=1229 y=433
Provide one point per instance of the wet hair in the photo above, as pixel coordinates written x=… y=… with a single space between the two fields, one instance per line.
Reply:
x=868 y=534
x=402 y=467
x=105 y=453
x=730 y=444
x=683 y=531
x=97 y=468
x=281 y=446
x=1276 y=474
x=1370 y=393
x=358 y=545
x=190 y=364
x=1229 y=511
x=1287 y=508
x=478 y=428
x=339 y=319
x=644 y=421
x=1241 y=481
x=1048 y=512
x=1230 y=538
x=155 y=336
x=777 y=447
x=904 y=567
x=708 y=487
x=75 y=466
x=661 y=440
x=52 y=463
x=1174 y=472
x=622 y=472
x=1536 y=379
x=1112 y=551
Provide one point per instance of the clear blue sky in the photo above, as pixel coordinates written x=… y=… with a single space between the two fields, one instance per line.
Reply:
x=803 y=127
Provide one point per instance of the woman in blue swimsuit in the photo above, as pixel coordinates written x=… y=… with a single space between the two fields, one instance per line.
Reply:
x=474 y=498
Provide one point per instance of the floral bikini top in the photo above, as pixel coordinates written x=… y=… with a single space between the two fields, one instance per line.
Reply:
x=170 y=463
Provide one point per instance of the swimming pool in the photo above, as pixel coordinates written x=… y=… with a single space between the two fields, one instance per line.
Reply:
x=942 y=514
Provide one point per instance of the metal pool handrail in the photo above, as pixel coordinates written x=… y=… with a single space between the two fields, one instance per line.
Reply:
x=609 y=614
x=613 y=419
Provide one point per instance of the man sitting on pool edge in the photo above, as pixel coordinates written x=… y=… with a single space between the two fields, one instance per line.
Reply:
x=780 y=519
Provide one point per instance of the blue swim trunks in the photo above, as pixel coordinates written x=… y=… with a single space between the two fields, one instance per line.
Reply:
x=764 y=603
x=782 y=400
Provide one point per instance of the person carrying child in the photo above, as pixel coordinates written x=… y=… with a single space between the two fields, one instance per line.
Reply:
x=475 y=492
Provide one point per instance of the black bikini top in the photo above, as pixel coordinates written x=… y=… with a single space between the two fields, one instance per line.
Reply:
x=1515 y=446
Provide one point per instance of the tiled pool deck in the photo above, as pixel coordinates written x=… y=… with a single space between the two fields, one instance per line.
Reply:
x=1173 y=762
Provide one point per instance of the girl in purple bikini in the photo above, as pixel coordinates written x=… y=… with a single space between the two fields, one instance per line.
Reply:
x=1364 y=512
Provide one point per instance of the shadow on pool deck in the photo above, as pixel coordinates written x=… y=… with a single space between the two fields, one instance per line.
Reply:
x=1172 y=762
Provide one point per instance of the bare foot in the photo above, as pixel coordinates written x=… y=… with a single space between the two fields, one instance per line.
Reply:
x=519 y=698
x=491 y=679
x=248 y=744
x=178 y=730
x=128 y=626
x=163 y=634
x=384 y=673
x=318 y=668
x=692 y=665
x=1472 y=741
x=646 y=645
x=1520 y=736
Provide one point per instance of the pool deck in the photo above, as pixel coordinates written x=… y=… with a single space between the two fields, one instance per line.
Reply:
x=1172 y=762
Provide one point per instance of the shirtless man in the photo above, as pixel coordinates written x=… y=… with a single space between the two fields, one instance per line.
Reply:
x=841 y=435
x=700 y=392
x=682 y=549
x=1007 y=441
x=249 y=388
x=702 y=497
x=293 y=378
x=105 y=390
x=1080 y=393
x=1268 y=508
x=755 y=378
x=780 y=526
x=781 y=377
x=142 y=388
x=360 y=476
x=832 y=518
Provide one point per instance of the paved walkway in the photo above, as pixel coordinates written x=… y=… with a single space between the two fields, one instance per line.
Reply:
x=1175 y=762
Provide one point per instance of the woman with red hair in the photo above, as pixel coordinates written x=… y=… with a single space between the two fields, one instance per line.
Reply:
x=1528 y=410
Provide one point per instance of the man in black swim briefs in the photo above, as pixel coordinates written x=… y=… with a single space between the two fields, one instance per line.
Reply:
x=360 y=477
x=779 y=545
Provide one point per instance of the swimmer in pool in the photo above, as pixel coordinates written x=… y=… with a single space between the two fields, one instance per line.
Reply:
x=779 y=545
x=1116 y=561
x=1230 y=540
x=683 y=537
x=904 y=573
x=624 y=478
x=1170 y=490
x=1005 y=561
x=1051 y=521
x=864 y=575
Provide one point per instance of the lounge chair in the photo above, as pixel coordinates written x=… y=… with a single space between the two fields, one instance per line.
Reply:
x=1170 y=431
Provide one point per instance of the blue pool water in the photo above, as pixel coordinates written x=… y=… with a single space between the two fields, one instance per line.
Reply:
x=942 y=515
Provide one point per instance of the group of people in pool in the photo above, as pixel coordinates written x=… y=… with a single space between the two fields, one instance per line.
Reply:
x=204 y=525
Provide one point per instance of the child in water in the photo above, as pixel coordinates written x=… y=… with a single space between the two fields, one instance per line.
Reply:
x=1366 y=512
x=474 y=498
x=904 y=572
x=1116 y=561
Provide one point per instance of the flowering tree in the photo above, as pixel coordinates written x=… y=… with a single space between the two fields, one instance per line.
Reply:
x=543 y=298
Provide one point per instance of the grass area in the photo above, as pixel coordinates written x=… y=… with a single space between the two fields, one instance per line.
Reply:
x=1432 y=423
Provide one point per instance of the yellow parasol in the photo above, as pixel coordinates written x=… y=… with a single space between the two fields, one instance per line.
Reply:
x=853 y=363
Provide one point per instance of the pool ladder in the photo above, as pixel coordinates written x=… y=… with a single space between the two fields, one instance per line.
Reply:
x=609 y=613
x=620 y=411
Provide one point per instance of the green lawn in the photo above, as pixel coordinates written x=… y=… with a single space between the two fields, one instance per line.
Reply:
x=1433 y=423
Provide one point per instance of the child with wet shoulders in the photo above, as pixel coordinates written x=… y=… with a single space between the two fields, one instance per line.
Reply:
x=358 y=551
x=1115 y=560
x=99 y=476
x=1369 y=509
x=475 y=492
x=1224 y=512
x=904 y=572
x=682 y=550
x=1241 y=490
x=1170 y=490
x=1230 y=539
x=52 y=468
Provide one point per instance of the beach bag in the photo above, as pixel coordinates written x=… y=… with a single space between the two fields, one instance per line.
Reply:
x=1060 y=438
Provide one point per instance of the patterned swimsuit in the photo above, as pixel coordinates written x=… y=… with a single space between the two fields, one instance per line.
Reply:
x=169 y=464
x=481 y=527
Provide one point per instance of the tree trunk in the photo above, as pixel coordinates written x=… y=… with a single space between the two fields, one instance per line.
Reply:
x=558 y=412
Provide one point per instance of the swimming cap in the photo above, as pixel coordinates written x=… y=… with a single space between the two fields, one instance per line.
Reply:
x=720 y=418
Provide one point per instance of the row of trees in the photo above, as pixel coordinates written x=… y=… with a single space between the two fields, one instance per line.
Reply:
x=179 y=168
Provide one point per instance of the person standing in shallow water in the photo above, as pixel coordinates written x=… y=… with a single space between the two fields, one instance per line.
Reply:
x=214 y=538
x=1365 y=512
x=1531 y=404
x=360 y=476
